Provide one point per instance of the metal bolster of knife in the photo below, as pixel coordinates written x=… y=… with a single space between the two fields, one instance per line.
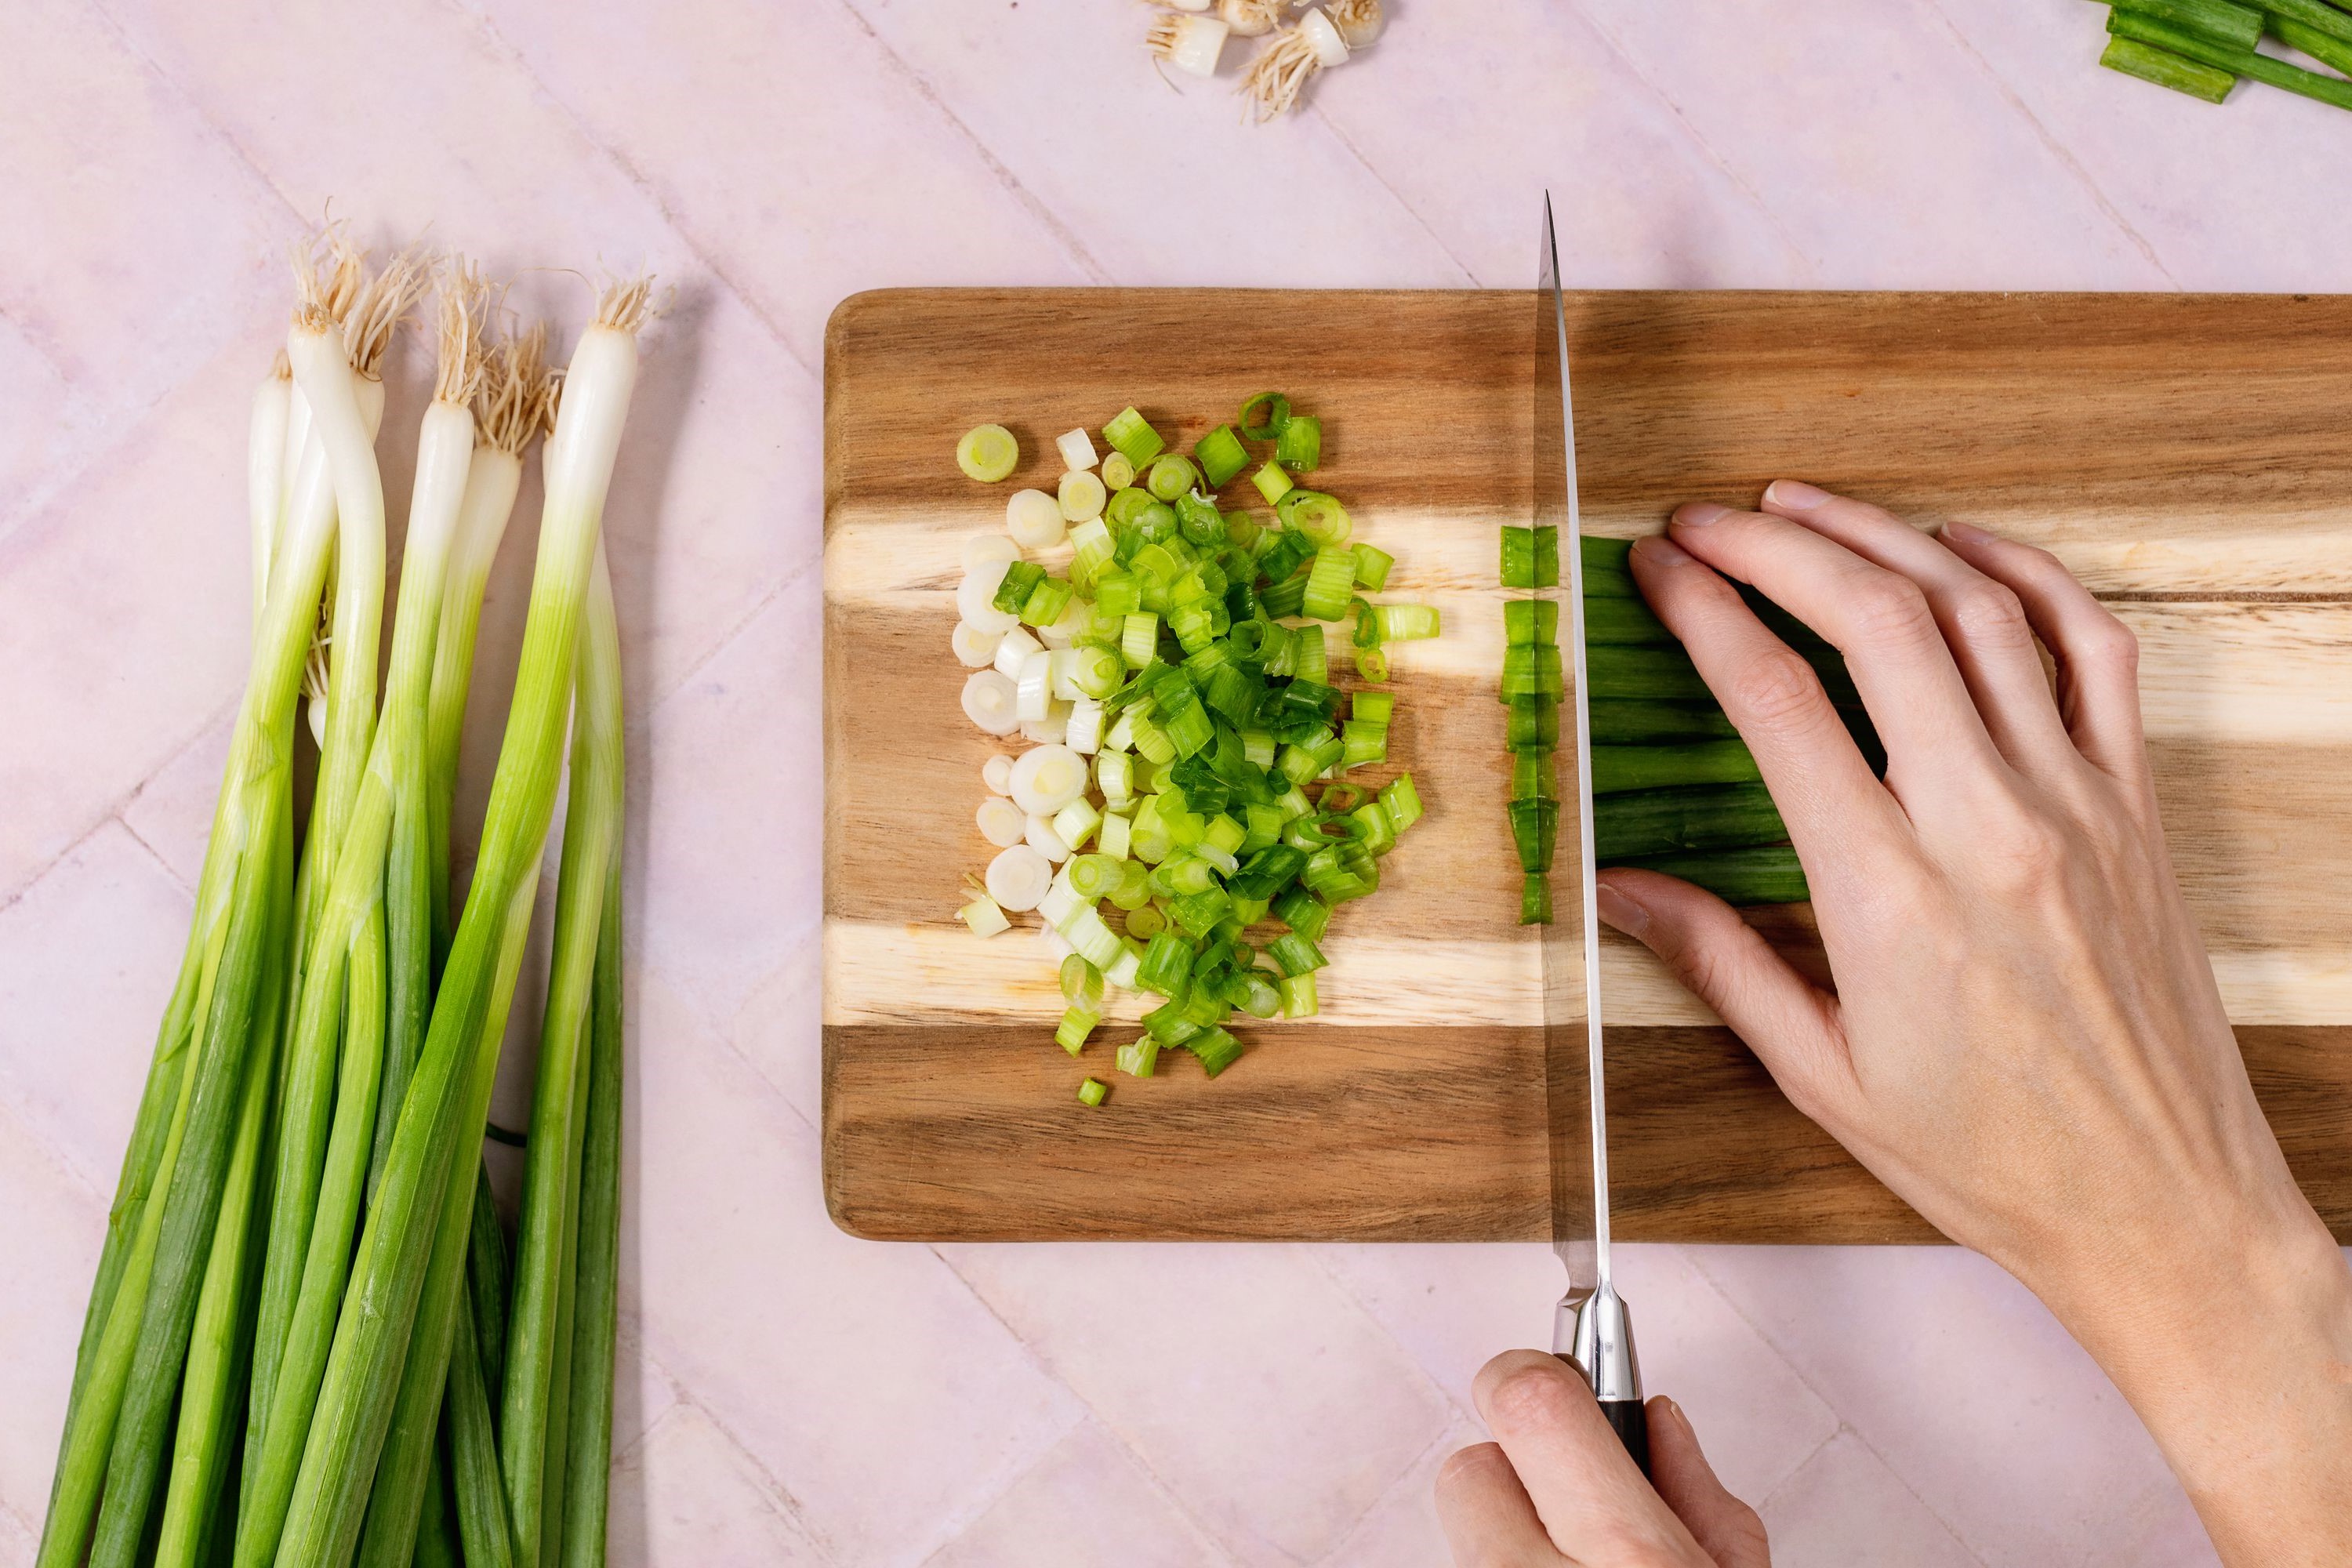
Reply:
x=1590 y=1328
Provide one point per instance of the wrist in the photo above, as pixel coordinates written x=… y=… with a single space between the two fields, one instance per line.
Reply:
x=2235 y=1349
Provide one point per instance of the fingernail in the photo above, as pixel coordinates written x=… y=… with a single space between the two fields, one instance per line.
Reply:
x=1965 y=534
x=1795 y=494
x=1698 y=513
x=1621 y=911
x=1681 y=1420
x=1657 y=548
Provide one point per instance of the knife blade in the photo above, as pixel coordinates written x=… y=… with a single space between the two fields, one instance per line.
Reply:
x=1591 y=1327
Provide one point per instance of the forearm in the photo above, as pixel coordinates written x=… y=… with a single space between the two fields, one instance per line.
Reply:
x=2239 y=1360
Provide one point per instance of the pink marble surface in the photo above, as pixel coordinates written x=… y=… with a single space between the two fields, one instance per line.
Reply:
x=789 y=1395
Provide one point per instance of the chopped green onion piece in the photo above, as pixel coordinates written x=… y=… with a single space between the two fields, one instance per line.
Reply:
x=1373 y=707
x=1547 y=558
x=1277 y=414
x=1140 y=639
x=1046 y=602
x=1166 y=964
x=1532 y=774
x=1298 y=999
x=1379 y=834
x=1362 y=742
x=1535 y=826
x=1117 y=471
x=1093 y=877
x=988 y=453
x=1144 y=923
x=1138 y=1059
x=1309 y=662
x=1532 y=671
x=1372 y=567
x=1534 y=721
x=1171 y=476
x=1535 y=898
x=1077 y=1022
x=1319 y=519
x=1328 y=582
x=1020 y=579
x=1272 y=482
x=1403 y=802
x=1221 y=456
x=1300 y=446
x=1294 y=954
x=1132 y=437
x=1518 y=570
x=1406 y=623
x=1218 y=1050
x=1091 y=1093
x=1535 y=621
x=1372 y=665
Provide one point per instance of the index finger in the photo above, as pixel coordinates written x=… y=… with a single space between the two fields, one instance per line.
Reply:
x=1826 y=793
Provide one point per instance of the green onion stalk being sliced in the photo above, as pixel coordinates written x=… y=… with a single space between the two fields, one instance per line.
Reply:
x=376 y=897
x=389 y=1360
x=165 y=1204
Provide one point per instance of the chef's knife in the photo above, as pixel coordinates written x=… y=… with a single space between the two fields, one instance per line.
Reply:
x=1590 y=1328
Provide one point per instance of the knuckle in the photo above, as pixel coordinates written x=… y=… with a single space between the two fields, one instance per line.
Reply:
x=1989 y=616
x=1888 y=608
x=1532 y=1398
x=1467 y=1468
x=2112 y=645
x=1776 y=687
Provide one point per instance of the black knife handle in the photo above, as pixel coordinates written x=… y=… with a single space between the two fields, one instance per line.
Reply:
x=1629 y=1420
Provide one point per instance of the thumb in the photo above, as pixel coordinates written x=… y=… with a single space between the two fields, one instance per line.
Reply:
x=1725 y=1528
x=1788 y=1022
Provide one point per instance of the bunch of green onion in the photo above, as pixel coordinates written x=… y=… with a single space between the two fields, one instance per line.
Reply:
x=2202 y=47
x=302 y=1318
x=1673 y=788
x=1177 y=682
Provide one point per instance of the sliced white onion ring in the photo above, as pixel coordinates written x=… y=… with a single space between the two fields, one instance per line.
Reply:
x=1001 y=822
x=976 y=598
x=1019 y=877
x=1035 y=520
x=992 y=702
x=997 y=774
x=985 y=548
x=1047 y=778
x=975 y=648
x=1042 y=837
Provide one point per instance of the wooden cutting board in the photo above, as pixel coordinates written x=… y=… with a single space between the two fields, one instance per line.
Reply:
x=2187 y=456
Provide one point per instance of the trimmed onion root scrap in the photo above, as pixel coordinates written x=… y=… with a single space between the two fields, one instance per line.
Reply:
x=1282 y=68
x=1251 y=18
x=1359 y=21
x=1190 y=44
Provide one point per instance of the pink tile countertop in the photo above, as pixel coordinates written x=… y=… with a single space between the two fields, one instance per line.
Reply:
x=790 y=1394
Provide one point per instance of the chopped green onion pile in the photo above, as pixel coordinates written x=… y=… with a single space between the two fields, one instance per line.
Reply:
x=1673 y=788
x=2202 y=47
x=1178 y=682
x=302 y=1313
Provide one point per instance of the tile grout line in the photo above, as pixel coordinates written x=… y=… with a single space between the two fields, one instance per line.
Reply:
x=1340 y=1283
x=2056 y=148
x=1721 y=166
x=1394 y=1488
x=1403 y=205
x=1159 y=1483
x=780 y=1498
x=1844 y=1425
x=1063 y=234
x=488 y=30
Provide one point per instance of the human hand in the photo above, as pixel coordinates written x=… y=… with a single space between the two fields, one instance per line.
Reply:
x=2026 y=1041
x=1555 y=1486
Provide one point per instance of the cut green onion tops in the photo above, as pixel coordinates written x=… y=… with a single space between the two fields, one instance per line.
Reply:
x=1192 y=775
